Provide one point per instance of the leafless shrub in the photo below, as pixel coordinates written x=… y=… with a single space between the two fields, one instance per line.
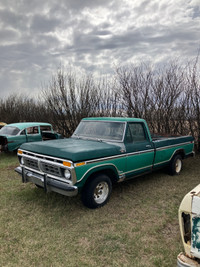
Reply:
x=135 y=87
x=69 y=99
x=168 y=97
x=193 y=99
x=18 y=108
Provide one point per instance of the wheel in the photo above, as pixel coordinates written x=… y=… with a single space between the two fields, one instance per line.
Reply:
x=97 y=192
x=176 y=164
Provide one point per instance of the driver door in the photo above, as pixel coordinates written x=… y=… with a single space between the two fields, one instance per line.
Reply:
x=139 y=149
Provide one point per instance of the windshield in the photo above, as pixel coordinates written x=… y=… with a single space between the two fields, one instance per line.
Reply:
x=9 y=130
x=102 y=130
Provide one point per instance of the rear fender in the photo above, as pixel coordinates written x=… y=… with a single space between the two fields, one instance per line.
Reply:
x=179 y=152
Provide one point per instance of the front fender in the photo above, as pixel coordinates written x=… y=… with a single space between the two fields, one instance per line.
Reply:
x=104 y=168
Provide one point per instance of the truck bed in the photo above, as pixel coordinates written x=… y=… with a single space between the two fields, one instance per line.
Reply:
x=171 y=140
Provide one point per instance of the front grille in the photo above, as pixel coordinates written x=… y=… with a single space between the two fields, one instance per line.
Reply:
x=31 y=163
x=51 y=169
x=43 y=164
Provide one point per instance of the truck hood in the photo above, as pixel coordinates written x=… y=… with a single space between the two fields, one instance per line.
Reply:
x=74 y=149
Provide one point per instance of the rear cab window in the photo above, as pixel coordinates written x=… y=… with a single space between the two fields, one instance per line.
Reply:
x=136 y=133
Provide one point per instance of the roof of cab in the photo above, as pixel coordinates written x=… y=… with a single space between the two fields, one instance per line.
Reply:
x=23 y=125
x=119 y=119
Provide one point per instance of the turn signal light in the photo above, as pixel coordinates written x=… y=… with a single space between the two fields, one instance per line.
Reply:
x=80 y=164
x=20 y=152
x=67 y=164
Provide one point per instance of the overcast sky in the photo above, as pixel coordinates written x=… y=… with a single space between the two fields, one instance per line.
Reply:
x=36 y=37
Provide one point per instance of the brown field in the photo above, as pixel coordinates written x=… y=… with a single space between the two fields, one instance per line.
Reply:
x=138 y=227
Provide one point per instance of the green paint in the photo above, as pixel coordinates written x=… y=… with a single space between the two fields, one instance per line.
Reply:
x=196 y=232
x=134 y=154
x=20 y=135
x=74 y=149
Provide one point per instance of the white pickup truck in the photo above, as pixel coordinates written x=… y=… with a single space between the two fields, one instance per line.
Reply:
x=189 y=221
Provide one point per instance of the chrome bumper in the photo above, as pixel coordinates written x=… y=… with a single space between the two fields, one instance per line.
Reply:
x=49 y=184
x=184 y=261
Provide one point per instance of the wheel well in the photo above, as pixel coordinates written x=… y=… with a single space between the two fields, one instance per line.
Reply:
x=109 y=172
x=180 y=152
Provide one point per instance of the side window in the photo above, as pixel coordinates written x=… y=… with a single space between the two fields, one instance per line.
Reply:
x=136 y=132
x=23 y=132
x=32 y=130
x=45 y=128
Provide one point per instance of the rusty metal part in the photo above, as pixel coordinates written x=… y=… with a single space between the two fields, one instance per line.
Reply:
x=184 y=261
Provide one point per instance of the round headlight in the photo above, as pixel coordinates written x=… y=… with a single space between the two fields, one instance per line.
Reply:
x=67 y=174
x=22 y=160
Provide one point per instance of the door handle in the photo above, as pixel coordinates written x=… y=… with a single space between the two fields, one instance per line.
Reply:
x=148 y=146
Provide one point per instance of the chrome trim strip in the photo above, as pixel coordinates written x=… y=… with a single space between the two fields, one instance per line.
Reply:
x=125 y=128
x=44 y=156
x=170 y=138
x=140 y=152
x=108 y=164
x=97 y=139
x=103 y=159
x=162 y=162
x=146 y=167
x=119 y=156
x=175 y=145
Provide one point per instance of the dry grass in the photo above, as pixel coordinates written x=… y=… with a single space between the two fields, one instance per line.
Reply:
x=138 y=227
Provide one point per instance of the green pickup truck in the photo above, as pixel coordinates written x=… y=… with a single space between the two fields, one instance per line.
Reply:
x=14 y=134
x=100 y=152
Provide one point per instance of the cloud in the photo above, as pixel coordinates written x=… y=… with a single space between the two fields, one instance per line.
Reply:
x=37 y=36
x=42 y=24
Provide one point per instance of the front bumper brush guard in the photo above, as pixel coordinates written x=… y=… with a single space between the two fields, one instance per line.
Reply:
x=46 y=182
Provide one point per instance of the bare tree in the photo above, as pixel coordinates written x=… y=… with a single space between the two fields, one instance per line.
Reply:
x=69 y=99
x=135 y=89
x=193 y=99
x=168 y=97
x=18 y=108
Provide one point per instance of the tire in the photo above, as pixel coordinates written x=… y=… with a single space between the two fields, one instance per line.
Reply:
x=97 y=192
x=176 y=165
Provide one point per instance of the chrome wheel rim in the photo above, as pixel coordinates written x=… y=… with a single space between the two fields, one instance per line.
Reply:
x=101 y=192
x=178 y=165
